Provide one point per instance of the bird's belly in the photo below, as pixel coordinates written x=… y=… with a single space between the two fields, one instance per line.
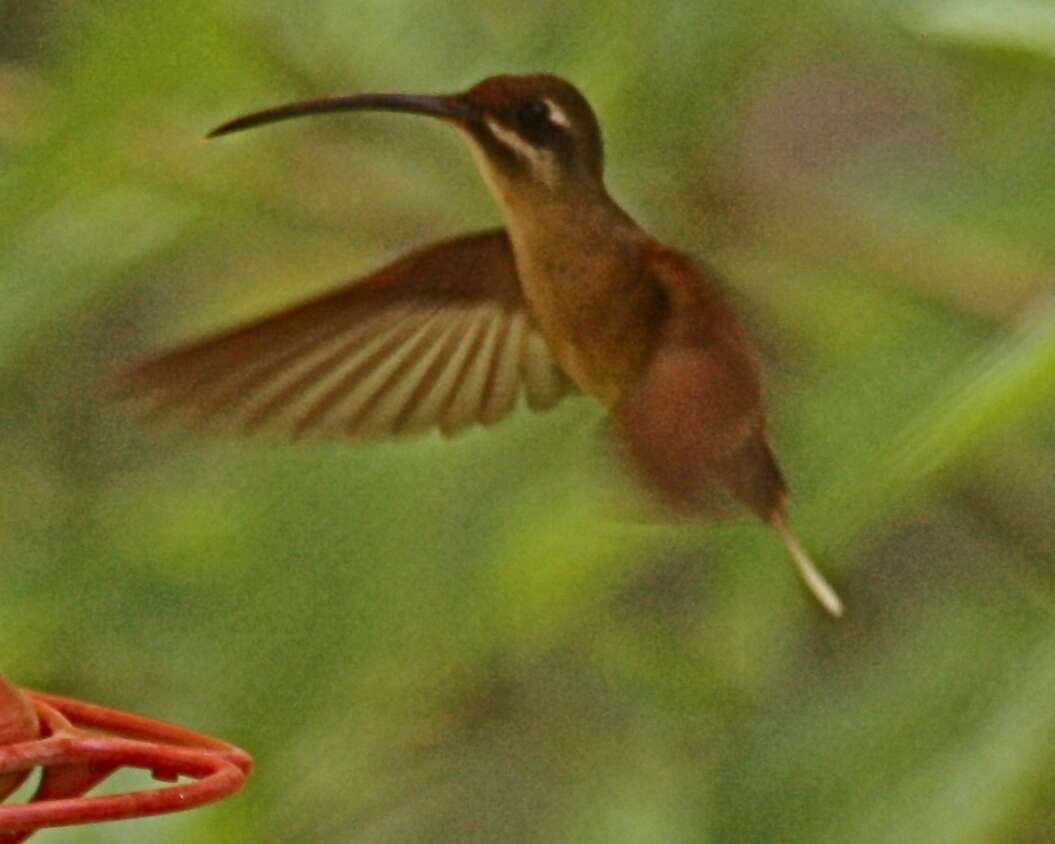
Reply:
x=601 y=335
x=597 y=368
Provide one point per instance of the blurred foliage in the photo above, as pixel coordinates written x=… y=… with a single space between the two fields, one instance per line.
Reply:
x=440 y=641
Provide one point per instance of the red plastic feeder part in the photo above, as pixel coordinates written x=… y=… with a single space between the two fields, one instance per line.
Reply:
x=79 y=745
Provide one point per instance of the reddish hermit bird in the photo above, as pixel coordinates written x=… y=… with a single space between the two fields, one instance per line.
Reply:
x=571 y=295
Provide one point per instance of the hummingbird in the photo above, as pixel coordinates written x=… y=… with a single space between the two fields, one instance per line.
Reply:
x=571 y=295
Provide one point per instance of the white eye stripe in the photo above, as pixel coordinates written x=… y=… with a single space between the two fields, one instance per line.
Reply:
x=512 y=140
x=556 y=115
x=540 y=160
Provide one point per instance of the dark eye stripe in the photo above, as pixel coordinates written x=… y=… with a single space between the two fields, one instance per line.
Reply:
x=534 y=122
x=533 y=115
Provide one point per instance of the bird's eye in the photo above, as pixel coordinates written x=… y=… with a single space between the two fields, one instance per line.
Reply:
x=533 y=117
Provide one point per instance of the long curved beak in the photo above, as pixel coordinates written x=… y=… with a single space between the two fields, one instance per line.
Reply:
x=444 y=106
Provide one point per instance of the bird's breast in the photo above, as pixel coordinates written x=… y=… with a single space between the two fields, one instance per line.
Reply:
x=598 y=314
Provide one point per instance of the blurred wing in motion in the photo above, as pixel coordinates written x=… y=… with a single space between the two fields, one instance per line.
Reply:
x=439 y=338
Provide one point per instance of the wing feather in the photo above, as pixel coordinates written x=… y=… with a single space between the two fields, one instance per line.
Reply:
x=505 y=384
x=440 y=338
x=545 y=383
x=465 y=401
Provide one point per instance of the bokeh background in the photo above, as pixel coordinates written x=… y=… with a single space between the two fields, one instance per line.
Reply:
x=465 y=640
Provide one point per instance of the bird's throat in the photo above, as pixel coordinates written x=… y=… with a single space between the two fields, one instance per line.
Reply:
x=582 y=279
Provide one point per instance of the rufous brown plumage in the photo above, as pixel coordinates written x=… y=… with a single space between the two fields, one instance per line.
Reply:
x=570 y=295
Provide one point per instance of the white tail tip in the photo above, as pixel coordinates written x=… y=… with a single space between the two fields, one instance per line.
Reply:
x=822 y=590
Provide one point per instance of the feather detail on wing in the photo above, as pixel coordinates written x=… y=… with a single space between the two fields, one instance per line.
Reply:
x=438 y=339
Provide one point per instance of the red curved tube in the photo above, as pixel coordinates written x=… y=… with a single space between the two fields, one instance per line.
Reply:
x=79 y=745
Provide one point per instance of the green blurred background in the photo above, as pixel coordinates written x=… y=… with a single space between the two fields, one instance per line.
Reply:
x=463 y=641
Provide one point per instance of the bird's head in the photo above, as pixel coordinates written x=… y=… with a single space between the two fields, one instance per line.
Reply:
x=531 y=135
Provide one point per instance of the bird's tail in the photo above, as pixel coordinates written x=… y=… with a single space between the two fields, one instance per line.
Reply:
x=822 y=590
